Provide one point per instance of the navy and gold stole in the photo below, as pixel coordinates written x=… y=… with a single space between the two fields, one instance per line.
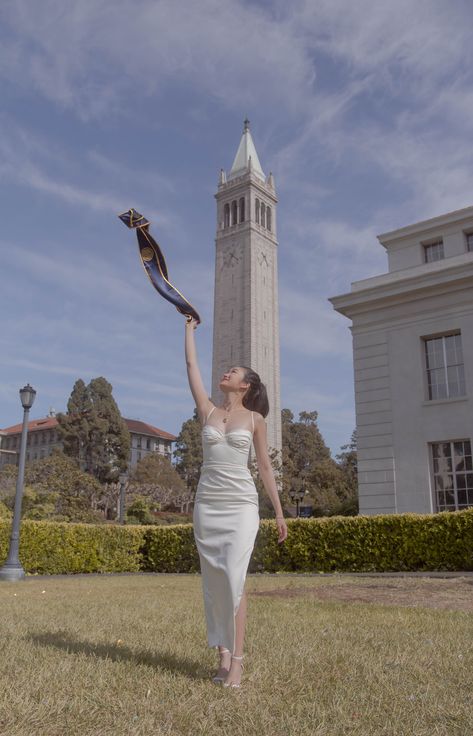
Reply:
x=154 y=263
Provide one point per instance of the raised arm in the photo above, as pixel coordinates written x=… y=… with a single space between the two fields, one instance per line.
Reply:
x=196 y=384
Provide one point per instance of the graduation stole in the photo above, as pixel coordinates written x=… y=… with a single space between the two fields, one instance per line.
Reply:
x=154 y=264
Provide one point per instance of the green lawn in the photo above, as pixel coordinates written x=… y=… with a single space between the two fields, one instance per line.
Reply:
x=127 y=655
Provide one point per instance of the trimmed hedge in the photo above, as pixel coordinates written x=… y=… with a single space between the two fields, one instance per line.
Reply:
x=49 y=547
x=391 y=542
x=170 y=549
x=383 y=543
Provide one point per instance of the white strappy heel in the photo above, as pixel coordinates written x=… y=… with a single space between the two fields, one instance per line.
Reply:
x=217 y=678
x=235 y=684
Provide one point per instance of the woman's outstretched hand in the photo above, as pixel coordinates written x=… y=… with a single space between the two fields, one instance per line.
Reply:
x=282 y=529
x=191 y=322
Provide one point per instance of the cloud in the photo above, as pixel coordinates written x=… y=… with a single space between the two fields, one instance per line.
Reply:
x=88 y=59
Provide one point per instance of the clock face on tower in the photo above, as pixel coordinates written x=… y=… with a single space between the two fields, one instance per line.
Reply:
x=230 y=259
x=262 y=259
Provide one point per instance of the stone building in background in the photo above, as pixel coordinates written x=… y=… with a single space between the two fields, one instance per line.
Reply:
x=246 y=308
x=43 y=436
x=413 y=362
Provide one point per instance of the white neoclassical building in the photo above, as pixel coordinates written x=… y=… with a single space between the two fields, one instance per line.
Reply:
x=246 y=306
x=412 y=334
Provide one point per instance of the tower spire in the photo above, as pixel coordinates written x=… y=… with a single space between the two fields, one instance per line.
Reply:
x=246 y=150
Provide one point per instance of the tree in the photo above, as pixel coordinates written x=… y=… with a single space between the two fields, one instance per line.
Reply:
x=188 y=452
x=307 y=463
x=155 y=478
x=157 y=469
x=93 y=431
x=138 y=512
x=348 y=464
x=75 y=426
x=56 y=487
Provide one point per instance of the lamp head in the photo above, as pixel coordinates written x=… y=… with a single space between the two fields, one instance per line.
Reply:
x=27 y=396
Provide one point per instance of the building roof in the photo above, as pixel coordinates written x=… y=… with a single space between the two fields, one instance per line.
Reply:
x=35 y=424
x=134 y=425
x=245 y=150
x=138 y=427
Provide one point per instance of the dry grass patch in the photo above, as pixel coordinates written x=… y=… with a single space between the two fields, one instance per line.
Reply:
x=127 y=655
x=451 y=594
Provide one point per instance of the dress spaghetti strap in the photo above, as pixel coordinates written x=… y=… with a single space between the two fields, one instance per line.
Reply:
x=252 y=422
x=208 y=415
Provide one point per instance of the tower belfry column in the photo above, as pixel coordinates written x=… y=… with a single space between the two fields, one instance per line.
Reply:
x=246 y=306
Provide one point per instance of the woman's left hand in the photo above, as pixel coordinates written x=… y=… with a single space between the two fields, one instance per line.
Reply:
x=282 y=529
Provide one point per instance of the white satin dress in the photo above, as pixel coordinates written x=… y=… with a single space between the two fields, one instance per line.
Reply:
x=226 y=521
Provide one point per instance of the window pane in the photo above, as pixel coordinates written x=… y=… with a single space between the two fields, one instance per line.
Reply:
x=453 y=487
x=453 y=381
x=445 y=457
x=445 y=370
x=450 y=498
x=462 y=498
x=434 y=352
x=433 y=251
x=451 y=350
x=436 y=384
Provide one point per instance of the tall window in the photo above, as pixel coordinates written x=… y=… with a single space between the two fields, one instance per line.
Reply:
x=234 y=213
x=268 y=218
x=433 y=251
x=263 y=215
x=242 y=209
x=226 y=216
x=257 y=210
x=453 y=475
x=444 y=365
x=469 y=242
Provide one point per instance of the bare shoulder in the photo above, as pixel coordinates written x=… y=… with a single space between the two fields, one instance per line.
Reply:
x=259 y=420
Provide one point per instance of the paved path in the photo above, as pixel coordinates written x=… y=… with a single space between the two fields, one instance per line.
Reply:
x=433 y=574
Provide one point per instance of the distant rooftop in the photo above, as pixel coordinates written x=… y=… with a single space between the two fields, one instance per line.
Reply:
x=134 y=425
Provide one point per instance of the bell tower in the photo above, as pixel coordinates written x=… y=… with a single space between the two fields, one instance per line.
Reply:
x=246 y=307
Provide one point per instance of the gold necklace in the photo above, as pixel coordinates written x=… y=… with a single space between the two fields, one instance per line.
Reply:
x=225 y=419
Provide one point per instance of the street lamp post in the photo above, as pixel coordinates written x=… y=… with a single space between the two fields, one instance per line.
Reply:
x=123 y=477
x=12 y=569
x=297 y=496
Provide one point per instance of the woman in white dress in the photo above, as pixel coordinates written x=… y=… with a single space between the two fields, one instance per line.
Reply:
x=226 y=515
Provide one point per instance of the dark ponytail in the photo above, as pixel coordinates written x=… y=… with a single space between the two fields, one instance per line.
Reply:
x=256 y=398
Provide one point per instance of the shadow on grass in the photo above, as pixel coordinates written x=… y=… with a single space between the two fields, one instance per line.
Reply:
x=117 y=653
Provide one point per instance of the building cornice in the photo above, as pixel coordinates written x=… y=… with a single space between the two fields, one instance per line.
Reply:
x=241 y=182
x=423 y=227
x=389 y=290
